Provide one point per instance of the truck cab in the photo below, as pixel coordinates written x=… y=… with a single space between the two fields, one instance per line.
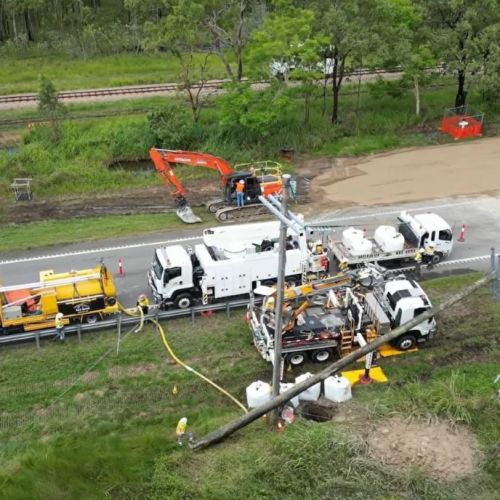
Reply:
x=404 y=300
x=428 y=229
x=171 y=276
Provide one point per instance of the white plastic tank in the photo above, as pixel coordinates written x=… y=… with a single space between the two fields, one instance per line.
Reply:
x=388 y=239
x=337 y=389
x=311 y=394
x=284 y=387
x=351 y=235
x=258 y=393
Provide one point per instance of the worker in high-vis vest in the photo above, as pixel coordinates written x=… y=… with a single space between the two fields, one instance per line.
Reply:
x=143 y=303
x=181 y=433
x=59 y=324
x=240 y=193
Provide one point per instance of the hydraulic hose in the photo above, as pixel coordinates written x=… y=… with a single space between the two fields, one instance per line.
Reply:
x=134 y=312
x=192 y=370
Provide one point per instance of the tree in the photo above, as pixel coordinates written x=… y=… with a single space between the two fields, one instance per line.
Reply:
x=287 y=36
x=49 y=105
x=457 y=28
x=182 y=33
x=227 y=24
x=351 y=27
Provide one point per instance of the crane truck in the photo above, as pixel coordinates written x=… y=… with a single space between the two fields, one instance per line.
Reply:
x=261 y=178
x=389 y=244
x=322 y=320
x=231 y=261
x=84 y=295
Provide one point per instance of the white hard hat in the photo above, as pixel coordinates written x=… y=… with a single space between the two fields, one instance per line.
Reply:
x=59 y=315
x=183 y=420
x=242 y=181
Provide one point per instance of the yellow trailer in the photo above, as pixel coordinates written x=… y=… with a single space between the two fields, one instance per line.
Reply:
x=84 y=295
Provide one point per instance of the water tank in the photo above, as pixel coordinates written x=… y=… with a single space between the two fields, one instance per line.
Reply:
x=351 y=235
x=388 y=239
x=311 y=394
x=258 y=393
x=284 y=387
x=355 y=242
x=337 y=389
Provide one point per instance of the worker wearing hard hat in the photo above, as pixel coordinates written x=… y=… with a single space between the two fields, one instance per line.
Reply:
x=240 y=193
x=143 y=303
x=181 y=433
x=59 y=324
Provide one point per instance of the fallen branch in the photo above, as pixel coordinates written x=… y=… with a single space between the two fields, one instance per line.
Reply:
x=228 y=429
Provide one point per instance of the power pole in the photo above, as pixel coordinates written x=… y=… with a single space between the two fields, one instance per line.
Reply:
x=278 y=321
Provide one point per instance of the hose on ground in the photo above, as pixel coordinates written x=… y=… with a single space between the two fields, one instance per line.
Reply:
x=192 y=370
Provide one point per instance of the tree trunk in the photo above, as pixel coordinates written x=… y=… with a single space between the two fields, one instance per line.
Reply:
x=29 y=29
x=307 y=107
x=335 y=106
x=417 y=95
x=14 y=26
x=461 y=94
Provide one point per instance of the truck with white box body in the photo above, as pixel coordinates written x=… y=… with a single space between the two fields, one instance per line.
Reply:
x=231 y=262
x=414 y=232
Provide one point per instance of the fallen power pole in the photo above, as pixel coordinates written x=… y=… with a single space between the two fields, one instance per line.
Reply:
x=228 y=429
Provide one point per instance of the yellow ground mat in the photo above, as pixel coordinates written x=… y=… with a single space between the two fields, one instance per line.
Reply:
x=375 y=373
x=386 y=350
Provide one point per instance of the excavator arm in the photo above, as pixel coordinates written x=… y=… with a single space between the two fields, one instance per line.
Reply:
x=163 y=159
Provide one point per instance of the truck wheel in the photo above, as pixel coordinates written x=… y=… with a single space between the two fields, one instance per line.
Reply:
x=91 y=319
x=183 y=301
x=436 y=258
x=296 y=359
x=321 y=355
x=405 y=342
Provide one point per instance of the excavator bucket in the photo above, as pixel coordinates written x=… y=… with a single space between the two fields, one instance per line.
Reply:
x=187 y=215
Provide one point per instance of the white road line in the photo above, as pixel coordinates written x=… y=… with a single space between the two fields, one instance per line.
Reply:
x=96 y=250
x=391 y=212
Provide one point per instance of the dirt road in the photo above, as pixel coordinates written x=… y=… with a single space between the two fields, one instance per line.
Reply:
x=464 y=168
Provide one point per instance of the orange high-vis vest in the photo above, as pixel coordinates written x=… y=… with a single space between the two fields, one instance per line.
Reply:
x=240 y=187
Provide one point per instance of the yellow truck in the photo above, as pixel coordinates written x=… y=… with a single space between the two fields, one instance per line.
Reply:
x=85 y=295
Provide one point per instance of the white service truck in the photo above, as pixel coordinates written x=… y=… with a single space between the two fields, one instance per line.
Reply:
x=325 y=326
x=231 y=261
x=390 y=244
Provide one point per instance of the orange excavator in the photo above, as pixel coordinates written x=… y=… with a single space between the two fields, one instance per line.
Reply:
x=261 y=178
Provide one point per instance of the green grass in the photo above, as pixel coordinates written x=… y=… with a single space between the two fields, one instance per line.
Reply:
x=21 y=74
x=111 y=432
x=59 y=232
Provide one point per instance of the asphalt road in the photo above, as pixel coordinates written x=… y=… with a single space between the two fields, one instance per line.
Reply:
x=481 y=215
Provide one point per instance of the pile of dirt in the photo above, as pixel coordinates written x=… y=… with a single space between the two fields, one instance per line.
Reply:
x=410 y=175
x=441 y=451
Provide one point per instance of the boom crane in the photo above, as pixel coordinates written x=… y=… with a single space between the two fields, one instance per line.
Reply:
x=261 y=178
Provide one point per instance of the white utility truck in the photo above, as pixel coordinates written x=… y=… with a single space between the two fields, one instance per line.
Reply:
x=390 y=244
x=322 y=321
x=231 y=262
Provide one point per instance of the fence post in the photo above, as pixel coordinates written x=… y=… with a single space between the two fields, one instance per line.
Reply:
x=119 y=332
x=192 y=315
x=79 y=332
x=37 y=338
x=228 y=310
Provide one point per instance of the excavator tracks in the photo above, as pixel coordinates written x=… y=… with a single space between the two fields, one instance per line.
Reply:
x=248 y=212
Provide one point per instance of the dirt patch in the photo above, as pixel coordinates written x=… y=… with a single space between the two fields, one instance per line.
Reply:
x=443 y=452
x=118 y=372
x=89 y=376
x=155 y=199
x=411 y=175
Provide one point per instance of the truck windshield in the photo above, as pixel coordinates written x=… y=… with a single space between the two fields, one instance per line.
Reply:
x=445 y=235
x=157 y=267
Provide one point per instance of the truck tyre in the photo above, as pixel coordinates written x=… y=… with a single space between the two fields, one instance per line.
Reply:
x=91 y=319
x=405 y=342
x=321 y=355
x=183 y=301
x=436 y=258
x=296 y=359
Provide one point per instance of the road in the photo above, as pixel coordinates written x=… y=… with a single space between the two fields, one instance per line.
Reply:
x=481 y=215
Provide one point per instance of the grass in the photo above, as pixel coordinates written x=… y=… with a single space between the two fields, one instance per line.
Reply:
x=112 y=432
x=21 y=74
x=60 y=232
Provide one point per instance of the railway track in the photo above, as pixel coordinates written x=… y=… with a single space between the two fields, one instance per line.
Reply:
x=68 y=95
